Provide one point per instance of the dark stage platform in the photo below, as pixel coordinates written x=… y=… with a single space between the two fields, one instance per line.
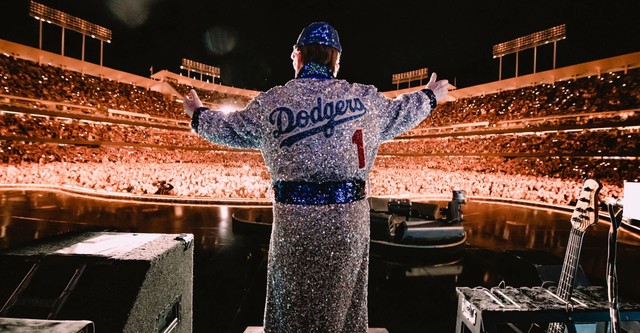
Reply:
x=505 y=243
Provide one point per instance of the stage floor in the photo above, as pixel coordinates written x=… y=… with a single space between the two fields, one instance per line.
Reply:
x=407 y=295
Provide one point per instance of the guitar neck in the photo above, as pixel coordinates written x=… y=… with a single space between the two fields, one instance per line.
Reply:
x=570 y=265
x=568 y=274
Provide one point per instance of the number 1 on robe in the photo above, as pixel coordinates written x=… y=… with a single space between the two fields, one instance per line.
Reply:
x=358 y=139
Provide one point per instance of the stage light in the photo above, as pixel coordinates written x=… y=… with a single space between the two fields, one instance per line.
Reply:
x=631 y=197
x=227 y=108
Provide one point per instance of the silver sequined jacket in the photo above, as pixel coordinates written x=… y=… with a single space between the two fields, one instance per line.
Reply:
x=316 y=130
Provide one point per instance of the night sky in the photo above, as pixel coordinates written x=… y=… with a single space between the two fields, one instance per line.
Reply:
x=251 y=40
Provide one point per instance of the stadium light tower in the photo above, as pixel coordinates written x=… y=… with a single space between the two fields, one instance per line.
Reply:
x=43 y=13
x=414 y=75
x=201 y=68
x=530 y=41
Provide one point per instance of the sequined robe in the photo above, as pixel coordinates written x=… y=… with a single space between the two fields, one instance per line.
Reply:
x=313 y=129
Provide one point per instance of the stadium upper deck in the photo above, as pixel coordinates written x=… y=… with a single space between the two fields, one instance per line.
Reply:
x=160 y=81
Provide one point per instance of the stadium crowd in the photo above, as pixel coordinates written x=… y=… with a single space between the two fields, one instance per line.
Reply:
x=610 y=91
x=17 y=125
x=544 y=166
x=213 y=98
x=612 y=141
x=19 y=77
x=243 y=174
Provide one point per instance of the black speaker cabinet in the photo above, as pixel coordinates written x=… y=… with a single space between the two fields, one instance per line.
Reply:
x=122 y=282
x=21 y=325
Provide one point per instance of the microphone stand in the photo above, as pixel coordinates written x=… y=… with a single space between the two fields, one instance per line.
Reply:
x=612 y=277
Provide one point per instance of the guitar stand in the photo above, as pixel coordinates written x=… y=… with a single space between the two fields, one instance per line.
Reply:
x=612 y=278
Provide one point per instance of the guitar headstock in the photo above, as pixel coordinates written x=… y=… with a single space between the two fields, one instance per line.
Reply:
x=586 y=212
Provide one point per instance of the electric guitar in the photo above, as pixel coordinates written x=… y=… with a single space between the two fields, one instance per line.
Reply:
x=584 y=215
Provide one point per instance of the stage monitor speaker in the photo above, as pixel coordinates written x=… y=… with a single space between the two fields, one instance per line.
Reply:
x=381 y=226
x=425 y=210
x=122 y=282
x=528 y=268
x=378 y=204
x=429 y=233
x=22 y=325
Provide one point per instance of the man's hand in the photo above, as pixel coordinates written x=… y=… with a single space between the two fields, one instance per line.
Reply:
x=439 y=88
x=191 y=103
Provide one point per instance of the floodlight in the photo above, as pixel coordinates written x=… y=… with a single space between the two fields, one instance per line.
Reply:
x=413 y=75
x=201 y=68
x=54 y=16
x=526 y=42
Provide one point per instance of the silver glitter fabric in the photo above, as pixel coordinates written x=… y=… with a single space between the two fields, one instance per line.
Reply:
x=318 y=268
x=317 y=130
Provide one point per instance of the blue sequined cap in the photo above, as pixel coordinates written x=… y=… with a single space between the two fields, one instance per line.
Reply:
x=319 y=33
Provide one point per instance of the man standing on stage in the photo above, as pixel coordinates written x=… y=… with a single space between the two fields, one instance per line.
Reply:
x=319 y=137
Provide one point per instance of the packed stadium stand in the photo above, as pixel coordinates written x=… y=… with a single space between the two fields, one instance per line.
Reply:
x=530 y=138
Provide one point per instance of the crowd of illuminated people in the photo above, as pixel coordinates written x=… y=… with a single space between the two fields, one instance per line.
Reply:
x=541 y=166
x=612 y=141
x=610 y=91
x=243 y=174
x=19 y=77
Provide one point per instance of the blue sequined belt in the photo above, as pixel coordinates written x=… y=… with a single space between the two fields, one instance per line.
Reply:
x=310 y=193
